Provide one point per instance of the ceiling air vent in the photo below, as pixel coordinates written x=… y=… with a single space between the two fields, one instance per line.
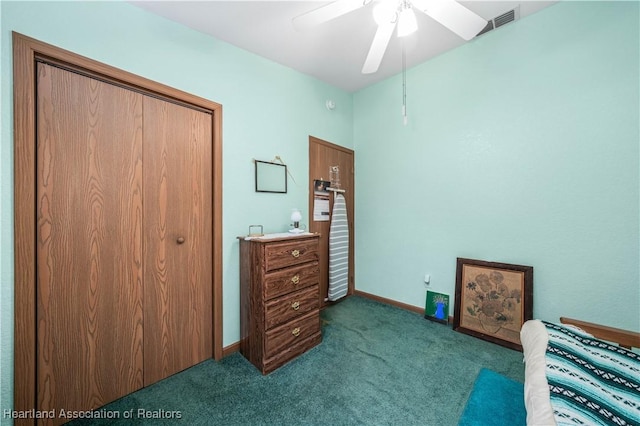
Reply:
x=498 y=21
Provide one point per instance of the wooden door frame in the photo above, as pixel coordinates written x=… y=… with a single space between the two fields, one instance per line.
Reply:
x=25 y=53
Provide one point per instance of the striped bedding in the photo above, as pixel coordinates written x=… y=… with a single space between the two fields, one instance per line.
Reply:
x=591 y=382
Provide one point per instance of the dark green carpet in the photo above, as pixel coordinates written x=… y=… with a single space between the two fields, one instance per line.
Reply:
x=377 y=365
x=493 y=393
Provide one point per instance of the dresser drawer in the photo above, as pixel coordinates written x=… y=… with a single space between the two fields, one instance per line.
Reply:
x=280 y=255
x=290 y=279
x=283 y=336
x=300 y=347
x=285 y=308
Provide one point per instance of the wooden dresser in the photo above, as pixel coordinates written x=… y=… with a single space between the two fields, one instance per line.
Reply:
x=279 y=299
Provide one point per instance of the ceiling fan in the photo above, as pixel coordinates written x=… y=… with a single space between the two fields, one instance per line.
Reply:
x=391 y=13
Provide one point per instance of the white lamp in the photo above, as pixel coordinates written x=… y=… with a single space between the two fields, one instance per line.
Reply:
x=296 y=217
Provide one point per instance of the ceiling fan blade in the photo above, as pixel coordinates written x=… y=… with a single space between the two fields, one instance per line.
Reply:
x=325 y=13
x=452 y=15
x=378 y=47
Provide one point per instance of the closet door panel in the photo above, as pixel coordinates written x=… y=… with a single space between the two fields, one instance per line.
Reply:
x=178 y=319
x=89 y=241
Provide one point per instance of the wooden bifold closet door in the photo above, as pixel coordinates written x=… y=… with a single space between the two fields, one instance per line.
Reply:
x=178 y=246
x=124 y=231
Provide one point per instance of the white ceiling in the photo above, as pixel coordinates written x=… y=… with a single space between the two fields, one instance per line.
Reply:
x=333 y=52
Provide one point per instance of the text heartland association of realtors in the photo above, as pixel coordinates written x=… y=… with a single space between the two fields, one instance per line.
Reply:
x=140 y=413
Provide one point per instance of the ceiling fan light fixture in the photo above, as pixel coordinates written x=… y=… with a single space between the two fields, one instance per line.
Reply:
x=390 y=14
x=384 y=12
x=407 y=23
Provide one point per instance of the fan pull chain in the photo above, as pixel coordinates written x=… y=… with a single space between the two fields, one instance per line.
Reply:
x=404 y=86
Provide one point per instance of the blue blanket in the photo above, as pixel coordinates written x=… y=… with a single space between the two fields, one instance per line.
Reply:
x=591 y=382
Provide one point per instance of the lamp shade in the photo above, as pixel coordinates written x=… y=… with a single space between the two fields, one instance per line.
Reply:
x=384 y=12
x=296 y=216
x=407 y=23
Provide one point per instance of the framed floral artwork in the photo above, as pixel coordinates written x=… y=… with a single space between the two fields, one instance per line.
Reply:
x=493 y=300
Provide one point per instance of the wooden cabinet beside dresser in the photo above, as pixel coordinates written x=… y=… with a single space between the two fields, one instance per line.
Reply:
x=279 y=299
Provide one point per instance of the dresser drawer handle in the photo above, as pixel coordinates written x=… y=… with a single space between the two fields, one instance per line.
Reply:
x=295 y=253
x=295 y=306
x=296 y=331
x=295 y=279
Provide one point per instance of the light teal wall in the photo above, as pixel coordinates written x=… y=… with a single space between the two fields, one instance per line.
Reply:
x=268 y=110
x=522 y=147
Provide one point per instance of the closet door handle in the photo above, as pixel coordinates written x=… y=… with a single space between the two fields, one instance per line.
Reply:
x=295 y=279
x=295 y=253
x=180 y=240
x=295 y=306
x=296 y=331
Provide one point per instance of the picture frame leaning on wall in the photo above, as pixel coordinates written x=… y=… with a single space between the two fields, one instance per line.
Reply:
x=493 y=300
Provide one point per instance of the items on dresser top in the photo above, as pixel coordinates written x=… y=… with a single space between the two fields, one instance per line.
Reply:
x=279 y=298
x=273 y=236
